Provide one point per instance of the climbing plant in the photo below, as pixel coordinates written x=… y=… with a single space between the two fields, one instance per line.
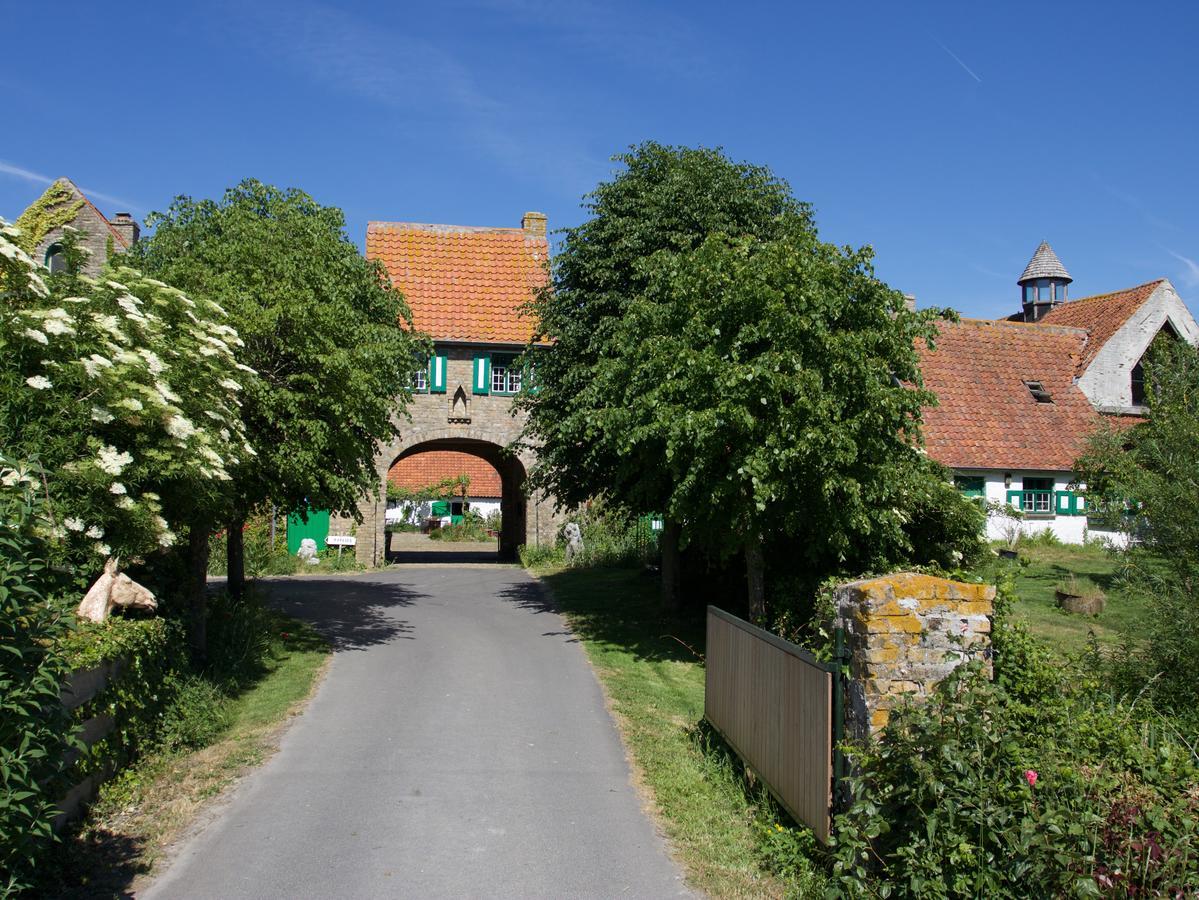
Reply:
x=53 y=209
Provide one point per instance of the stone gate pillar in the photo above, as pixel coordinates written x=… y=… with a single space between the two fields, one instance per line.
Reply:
x=904 y=633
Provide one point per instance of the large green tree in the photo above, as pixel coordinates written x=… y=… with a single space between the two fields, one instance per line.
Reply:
x=327 y=336
x=713 y=359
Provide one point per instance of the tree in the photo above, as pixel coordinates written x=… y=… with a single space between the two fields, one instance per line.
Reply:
x=750 y=381
x=125 y=391
x=328 y=336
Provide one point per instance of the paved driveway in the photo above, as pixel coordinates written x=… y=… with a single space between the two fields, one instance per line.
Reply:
x=459 y=747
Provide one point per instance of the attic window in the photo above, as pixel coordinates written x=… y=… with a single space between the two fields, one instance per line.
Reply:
x=1038 y=391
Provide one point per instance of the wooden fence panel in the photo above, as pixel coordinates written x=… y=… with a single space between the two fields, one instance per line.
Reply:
x=773 y=703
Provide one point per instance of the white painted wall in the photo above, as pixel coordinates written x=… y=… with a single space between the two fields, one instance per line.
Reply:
x=1070 y=529
x=1107 y=381
x=416 y=512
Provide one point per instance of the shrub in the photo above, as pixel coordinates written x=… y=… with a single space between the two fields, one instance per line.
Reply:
x=532 y=557
x=34 y=726
x=1038 y=782
x=612 y=536
x=198 y=714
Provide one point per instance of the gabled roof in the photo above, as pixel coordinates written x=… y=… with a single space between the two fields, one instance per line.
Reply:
x=118 y=238
x=433 y=466
x=1044 y=264
x=463 y=283
x=987 y=417
x=1102 y=315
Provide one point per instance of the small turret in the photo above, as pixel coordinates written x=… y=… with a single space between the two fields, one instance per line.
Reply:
x=1043 y=284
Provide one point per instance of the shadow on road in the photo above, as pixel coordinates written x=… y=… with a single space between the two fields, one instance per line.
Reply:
x=528 y=595
x=352 y=613
x=448 y=557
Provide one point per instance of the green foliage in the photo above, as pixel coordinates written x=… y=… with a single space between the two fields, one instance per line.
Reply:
x=34 y=726
x=447 y=488
x=53 y=209
x=197 y=714
x=714 y=360
x=612 y=536
x=1145 y=480
x=124 y=389
x=471 y=528
x=1034 y=783
x=535 y=557
x=329 y=337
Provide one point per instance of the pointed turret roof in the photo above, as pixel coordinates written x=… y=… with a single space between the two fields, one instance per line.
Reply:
x=1044 y=264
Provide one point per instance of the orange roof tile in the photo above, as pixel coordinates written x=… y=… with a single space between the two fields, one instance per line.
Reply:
x=987 y=417
x=1101 y=315
x=434 y=466
x=463 y=283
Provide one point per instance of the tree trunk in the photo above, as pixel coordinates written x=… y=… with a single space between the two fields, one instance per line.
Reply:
x=669 y=542
x=755 y=578
x=235 y=567
x=197 y=590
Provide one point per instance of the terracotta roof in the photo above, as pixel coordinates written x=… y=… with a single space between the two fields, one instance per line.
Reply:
x=987 y=417
x=1044 y=264
x=1101 y=315
x=463 y=283
x=433 y=466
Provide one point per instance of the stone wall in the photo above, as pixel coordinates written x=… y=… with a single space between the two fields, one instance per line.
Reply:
x=482 y=424
x=904 y=633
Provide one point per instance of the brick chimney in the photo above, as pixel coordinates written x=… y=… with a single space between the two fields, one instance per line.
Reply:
x=125 y=225
x=534 y=224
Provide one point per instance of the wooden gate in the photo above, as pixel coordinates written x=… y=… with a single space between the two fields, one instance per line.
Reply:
x=774 y=703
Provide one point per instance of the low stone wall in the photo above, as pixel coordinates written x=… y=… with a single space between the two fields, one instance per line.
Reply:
x=904 y=633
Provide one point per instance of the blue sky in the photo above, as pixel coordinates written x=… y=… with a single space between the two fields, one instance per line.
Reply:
x=952 y=137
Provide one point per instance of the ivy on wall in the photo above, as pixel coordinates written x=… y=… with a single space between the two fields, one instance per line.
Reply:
x=53 y=209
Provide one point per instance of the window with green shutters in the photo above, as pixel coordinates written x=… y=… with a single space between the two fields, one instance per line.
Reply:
x=437 y=366
x=1038 y=497
x=505 y=375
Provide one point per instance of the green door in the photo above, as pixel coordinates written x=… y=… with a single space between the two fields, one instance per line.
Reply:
x=317 y=528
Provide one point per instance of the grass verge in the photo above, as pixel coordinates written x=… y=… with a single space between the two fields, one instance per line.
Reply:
x=729 y=836
x=1038 y=571
x=139 y=813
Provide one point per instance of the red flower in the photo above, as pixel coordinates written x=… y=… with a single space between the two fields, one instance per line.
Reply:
x=285 y=635
x=1031 y=777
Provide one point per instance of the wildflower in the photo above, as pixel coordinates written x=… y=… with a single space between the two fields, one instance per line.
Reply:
x=117 y=488
x=34 y=334
x=230 y=385
x=102 y=416
x=113 y=461
x=153 y=363
x=126 y=503
x=39 y=382
x=95 y=532
x=102 y=549
x=179 y=427
x=1030 y=775
x=58 y=326
x=73 y=523
x=166 y=539
x=132 y=404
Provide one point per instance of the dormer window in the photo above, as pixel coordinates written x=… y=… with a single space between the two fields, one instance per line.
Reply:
x=1038 y=392
x=56 y=260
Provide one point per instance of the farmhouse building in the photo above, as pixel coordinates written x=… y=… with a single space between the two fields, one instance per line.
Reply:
x=1018 y=397
x=466 y=287
x=63 y=206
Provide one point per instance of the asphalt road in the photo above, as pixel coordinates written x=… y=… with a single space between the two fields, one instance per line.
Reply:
x=459 y=747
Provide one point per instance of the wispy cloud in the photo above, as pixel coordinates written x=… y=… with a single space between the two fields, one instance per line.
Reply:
x=957 y=59
x=1135 y=203
x=37 y=178
x=1190 y=271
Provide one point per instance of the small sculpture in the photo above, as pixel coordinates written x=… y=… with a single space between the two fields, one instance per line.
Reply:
x=307 y=551
x=115 y=590
x=574 y=541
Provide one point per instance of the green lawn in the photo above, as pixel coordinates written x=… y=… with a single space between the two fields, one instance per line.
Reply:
x=725 y=834
x=1039 y=570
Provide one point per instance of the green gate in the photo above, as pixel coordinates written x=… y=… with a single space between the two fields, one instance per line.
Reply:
x=316 y=528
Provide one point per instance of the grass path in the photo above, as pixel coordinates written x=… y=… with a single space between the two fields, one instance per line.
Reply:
x=725 y=835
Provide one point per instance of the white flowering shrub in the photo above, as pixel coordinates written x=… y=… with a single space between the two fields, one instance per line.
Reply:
x=126 y=392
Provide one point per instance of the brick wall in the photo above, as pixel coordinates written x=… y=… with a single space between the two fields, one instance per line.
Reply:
x=904 y=634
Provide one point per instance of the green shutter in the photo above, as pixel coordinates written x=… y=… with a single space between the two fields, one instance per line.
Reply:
x=1078 y=505
x=437 y=366
x=1016 y=499
x=482 y=377
x=1063 y=503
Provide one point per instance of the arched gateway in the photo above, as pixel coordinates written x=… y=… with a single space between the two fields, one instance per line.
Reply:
x=465 y=286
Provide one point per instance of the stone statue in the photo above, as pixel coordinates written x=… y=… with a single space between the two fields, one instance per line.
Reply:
x=115 y=590
x=574 y=540
x=307 y=551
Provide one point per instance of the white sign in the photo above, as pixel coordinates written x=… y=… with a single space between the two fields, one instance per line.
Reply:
x=340 y=540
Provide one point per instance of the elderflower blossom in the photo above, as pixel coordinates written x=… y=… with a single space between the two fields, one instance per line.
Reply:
x=39 y=382
x=166 y=539
x=100 y=415
x=180 y=428
x=230 y=385
x=117 y=488
x=132 y=404
x=113 y=461
x=95 y=532
x=73 y=523
x=165 y=392
x=58 y=326
x=125 y=503
x=102 y=549
x=153 y=362
x=36 y=335
x=94 y=363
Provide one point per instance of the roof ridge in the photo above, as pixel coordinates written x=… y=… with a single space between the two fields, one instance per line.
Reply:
x=1127 y=290
x=1031 y=326
x=430 y=226
x=120 y=238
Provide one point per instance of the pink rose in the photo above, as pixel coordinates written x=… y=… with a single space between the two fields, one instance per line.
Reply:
x=1031 y=777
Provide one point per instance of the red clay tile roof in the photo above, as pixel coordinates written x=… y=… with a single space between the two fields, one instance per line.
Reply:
x=433 y=466
x=463 y=283
x=1101 y=315
x=987 y=417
